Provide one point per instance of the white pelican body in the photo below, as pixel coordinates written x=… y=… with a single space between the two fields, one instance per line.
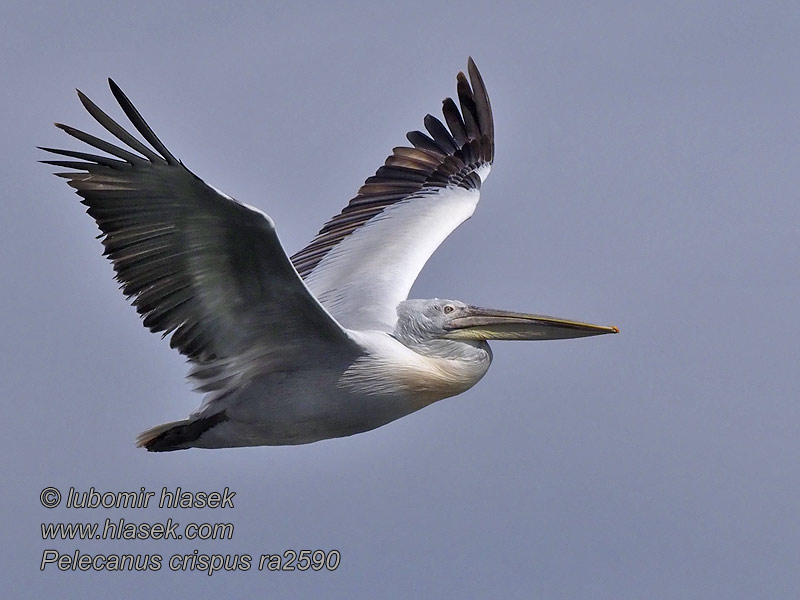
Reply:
x=320 y=345
x=386 y=382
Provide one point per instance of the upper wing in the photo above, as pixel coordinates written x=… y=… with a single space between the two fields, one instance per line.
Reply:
x=197 y=263
x=364 y=261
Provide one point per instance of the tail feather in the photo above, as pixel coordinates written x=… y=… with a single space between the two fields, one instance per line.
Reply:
x=177 y=435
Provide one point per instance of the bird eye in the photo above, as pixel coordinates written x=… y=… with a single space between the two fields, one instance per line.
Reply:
x=448 y=308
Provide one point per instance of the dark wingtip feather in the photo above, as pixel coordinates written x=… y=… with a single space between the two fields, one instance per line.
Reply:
x=482 y=102
x=454 y=121
x=115 y=89
x=440 y=134
x=117 y=130
x=100 y=144
x=140 y=124
x=420 y=140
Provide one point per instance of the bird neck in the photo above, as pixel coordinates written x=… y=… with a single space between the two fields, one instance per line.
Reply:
x=421 y=373
x=474 y=351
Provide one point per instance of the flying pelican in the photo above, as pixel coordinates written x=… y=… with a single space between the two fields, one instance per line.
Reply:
x=320 y=345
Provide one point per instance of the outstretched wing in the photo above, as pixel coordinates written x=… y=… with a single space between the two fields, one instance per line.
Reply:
x=198 y=264
x=364 y=261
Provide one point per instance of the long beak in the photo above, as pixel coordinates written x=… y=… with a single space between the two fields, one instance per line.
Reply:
x=489 y=324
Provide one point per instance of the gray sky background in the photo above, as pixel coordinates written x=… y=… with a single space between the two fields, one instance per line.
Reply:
x=646 y=176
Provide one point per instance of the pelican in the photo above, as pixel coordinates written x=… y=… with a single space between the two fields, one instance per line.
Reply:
x=322 y=344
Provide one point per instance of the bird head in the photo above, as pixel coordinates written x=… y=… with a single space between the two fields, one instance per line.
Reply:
x=423 y=320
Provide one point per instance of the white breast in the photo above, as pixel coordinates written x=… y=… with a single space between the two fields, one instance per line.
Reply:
x=391 y=369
